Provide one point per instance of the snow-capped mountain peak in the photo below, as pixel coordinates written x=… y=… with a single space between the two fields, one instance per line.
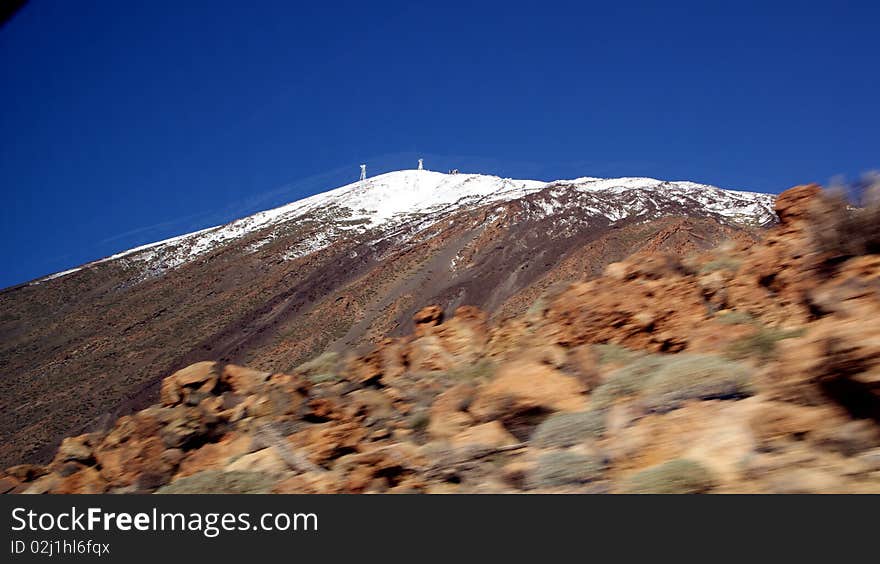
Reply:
x=388 y=202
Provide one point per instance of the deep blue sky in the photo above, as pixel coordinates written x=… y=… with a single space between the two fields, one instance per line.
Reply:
x=122 y=123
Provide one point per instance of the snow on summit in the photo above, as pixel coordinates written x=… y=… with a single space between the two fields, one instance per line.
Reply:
x=386 y=201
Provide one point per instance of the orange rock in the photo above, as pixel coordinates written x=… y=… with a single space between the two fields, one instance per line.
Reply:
x=794 y=203
x=199 y=377
x=75 y=448
x=520 y=387
x=430 y=315
x=838 y=359
x=327 y=441
x=713 y=433
x=8 y=484
x=214 y=456
x=242 y=380
x=123 y=464
x=446 y=424
x=456 y=398
x=86 y=481
x=427 y=353
x=491 y=434
x=460 y=341
x=266 y=460
x=654 y=309
x=309 y=482
x=26 y=472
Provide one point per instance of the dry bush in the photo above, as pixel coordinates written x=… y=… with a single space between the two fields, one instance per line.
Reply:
x=846 y=222
x=564 y=468
x=323 y=368
x=568 y=429
x=687 y=377
x=679 y=476
x=627 y=381
x=761 y=344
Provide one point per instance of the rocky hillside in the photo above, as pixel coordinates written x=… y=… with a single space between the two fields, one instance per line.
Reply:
x=746 y=368
x=337 y=271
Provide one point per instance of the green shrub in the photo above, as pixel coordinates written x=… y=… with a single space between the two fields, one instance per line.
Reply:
x=678 y=476
x=694 y=376
x=323 y=377
x=616 y=354
x=216 y=481
x=564 y=468
x=761 y=344
x=419 y=421
x=626 y=381
x=536 y=310
x=322 y=368
x=567 y=429
x=483 y=369
x=735 y=318
x=721 y=263
x=540 y=305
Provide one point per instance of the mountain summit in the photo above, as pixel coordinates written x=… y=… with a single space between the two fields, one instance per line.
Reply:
x=401 y=202
x=333 y=272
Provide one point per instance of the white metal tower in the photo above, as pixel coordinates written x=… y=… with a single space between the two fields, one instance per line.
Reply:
x=363 y=172
x=420 y=165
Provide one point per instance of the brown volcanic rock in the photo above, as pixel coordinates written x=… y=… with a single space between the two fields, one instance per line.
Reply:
x=194 y=381
x=185 y=435
x=520 y=388
x=854 y=292
x=214 y=456
x=86 y=481
x=242 y=380
x=655 y=302
x=448 y=413
x=836 y=358
x=459 y=341
x=490 y=434
x=774 y=279
x=327 y=441
x=428 y=316
x=795 y=203
x=647 y=304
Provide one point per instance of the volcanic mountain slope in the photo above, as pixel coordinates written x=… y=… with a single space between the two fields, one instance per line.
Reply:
x=752 y=367
x=334 y=271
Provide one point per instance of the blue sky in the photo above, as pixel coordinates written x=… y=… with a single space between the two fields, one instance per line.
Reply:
x=123 y=123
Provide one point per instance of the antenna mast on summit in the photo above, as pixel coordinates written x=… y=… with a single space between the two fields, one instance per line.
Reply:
x=363 y=172
x=420 y=165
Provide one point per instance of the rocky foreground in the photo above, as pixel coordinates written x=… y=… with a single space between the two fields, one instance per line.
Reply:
x=750 y=368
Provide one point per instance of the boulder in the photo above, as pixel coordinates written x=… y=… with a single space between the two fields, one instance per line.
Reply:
x=214 y=456
x=87 y=481
x=524 y=387
x=428 y=316
x=491 y=434
x=794 y=204
x=267 y=461
x=446 y=424
x=122 y=465
x=242 y=380
x=75 y=449
x=193 y=382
